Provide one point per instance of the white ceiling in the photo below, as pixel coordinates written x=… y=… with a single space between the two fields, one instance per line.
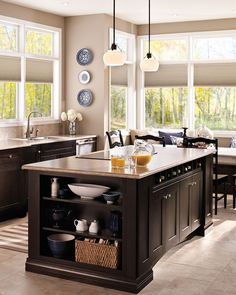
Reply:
x=135 y=11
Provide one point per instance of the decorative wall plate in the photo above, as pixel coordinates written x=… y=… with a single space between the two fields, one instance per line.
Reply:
x=84 y=56
x=84 y=77
x=85 y=97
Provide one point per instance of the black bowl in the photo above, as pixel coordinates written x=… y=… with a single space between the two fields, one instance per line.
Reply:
x=111 y=197
x=61 y=245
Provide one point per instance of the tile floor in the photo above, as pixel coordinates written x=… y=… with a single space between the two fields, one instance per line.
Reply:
x=197 y=266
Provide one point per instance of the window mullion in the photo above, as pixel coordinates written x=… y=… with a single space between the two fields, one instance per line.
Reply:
x=21 y=97
x=191 y=92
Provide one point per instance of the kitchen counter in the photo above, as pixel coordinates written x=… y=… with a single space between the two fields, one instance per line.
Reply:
x=98 y=163
x=13 y=143
x=227 y=156
x=159 y=206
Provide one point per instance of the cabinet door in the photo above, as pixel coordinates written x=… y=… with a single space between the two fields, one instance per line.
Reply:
x=156 y=228
x=196 y=200
x=164 y=218
x=185 y=207
x=190 y=202
x=171 y=220
x=10 y=179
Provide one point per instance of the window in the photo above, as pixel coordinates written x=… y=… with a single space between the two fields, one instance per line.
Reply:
x=122 y=97
x=38 y=97
x=195 y=80
x=8 y=91
x=212 y=48
x=165 y=107
x=8 y=37
x=118 y=107
x=30 y=80
x=169 y=49
x=39 y=42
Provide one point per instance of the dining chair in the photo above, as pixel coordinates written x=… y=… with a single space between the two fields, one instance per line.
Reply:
x=115 y=138
x=148 y=137
x=218 y=179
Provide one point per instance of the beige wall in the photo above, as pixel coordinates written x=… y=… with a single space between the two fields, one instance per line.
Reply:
x=36 y=16
x=91 y=32
x=193 y=26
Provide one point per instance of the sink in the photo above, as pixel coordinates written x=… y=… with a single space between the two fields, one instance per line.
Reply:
x=38 y=138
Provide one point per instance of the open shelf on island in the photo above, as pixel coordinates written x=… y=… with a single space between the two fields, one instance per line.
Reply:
x=76 y=200
x=104 y=234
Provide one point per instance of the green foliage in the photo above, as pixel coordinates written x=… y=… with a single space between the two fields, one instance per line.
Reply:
x=8 y=37
x=168 y=49
x=165 y=107
x=38 y=97
x=7 y=100
x=39 y=43
x=215 y=108
x=118 y=107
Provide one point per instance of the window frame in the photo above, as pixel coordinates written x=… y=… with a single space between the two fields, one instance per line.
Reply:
x=131 y=91
x=56 y=58
x=190 y=72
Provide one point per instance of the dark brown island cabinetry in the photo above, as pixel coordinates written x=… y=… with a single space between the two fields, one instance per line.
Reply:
x=159 y=207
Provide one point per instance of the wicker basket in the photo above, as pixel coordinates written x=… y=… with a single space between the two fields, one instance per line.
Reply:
x=97 y=254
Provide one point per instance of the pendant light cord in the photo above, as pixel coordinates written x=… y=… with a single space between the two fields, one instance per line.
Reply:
x=113 y=45
x=114 y=22
x=149 y=25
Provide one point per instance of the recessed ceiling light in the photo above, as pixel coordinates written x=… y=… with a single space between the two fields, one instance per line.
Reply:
x=65 y=3
x=175 y=14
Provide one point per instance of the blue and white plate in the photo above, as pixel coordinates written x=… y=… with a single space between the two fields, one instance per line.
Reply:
x=84 y=56
x=85 y=97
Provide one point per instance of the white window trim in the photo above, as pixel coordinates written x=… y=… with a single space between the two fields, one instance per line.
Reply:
x=56 y=58
x=131 y=91
x=190 y=61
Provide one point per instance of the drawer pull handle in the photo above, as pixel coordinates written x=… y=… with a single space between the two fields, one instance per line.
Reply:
x=167 y=196
x=10 y=156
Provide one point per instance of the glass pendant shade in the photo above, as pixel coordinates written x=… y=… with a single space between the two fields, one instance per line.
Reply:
x=149 y=64
x=114 y=57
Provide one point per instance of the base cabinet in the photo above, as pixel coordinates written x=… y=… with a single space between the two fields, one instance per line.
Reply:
x=168 y=216
x=11 y=186
x=190 y=201
x=153 y=216
x=164 y=204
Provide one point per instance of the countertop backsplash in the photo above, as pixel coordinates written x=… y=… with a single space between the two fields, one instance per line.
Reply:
x=44 y=130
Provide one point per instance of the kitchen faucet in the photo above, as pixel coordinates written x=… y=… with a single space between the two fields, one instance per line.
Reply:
x=29 y=131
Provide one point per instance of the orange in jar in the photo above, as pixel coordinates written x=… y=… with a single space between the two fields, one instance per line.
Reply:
x=114 y=161
x=142 y=160
x=120 y=162
x=117 y=162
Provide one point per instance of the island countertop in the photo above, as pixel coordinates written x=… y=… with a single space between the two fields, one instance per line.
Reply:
x=98 y=163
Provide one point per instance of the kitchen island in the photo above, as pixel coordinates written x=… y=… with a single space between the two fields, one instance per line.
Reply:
x=160 y=205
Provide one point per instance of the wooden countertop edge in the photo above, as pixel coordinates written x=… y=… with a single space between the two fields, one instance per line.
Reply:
x=135 y=173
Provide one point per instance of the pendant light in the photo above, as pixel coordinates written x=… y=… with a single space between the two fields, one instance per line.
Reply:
x=149 y=63
x=114 y=57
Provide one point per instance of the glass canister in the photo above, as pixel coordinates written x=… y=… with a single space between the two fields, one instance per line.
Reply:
x=143 y=152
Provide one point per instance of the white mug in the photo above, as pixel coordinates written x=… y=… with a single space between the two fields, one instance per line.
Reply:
x=80 y=225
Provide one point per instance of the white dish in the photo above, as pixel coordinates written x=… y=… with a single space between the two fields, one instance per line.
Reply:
x=87 y=190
